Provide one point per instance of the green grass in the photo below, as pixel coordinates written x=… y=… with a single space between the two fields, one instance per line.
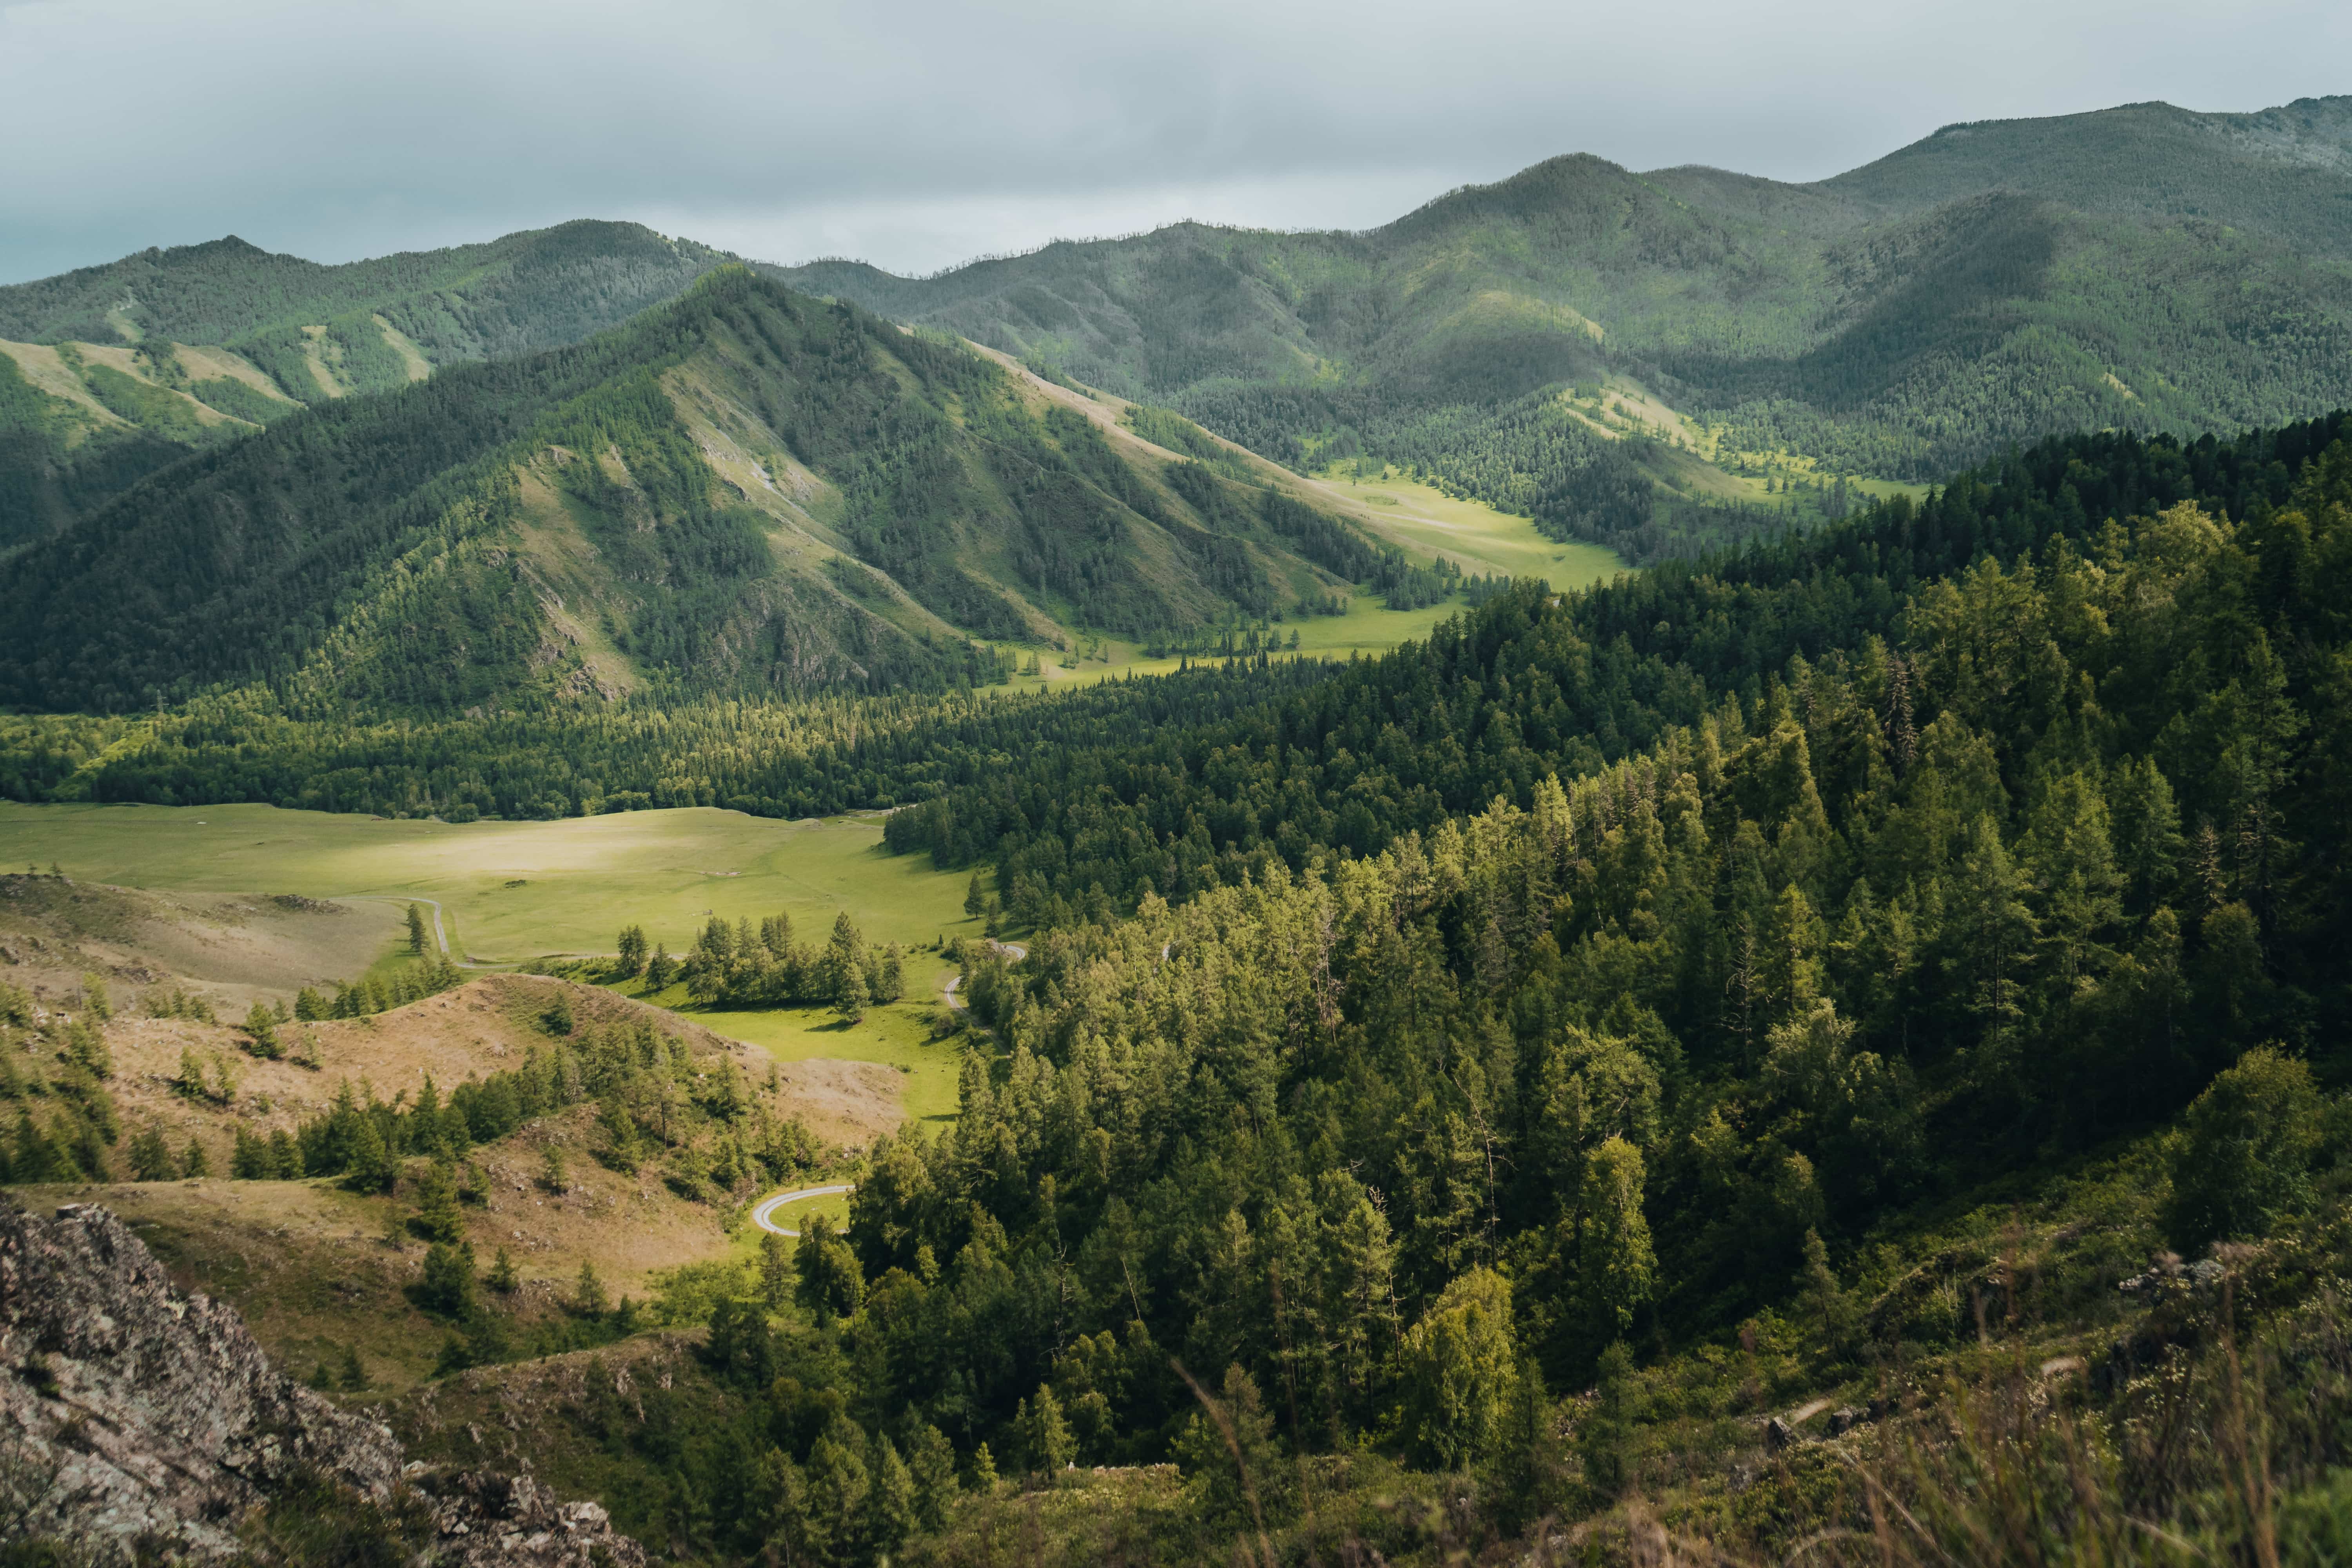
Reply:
x=1474 y=536
x=512 y=891
x=1369 y=627
x=1426 y=524
x=898 y=1036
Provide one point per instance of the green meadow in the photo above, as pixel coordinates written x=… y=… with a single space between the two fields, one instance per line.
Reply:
x=898 y=1036
x=514 y=891
x=1427 y=523
x=1475 y=537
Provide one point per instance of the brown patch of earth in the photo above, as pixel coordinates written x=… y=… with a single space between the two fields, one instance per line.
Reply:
x=483 y=1026
x=231 y=948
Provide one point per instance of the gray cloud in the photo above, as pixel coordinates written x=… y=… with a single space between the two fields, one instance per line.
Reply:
x=920 y=132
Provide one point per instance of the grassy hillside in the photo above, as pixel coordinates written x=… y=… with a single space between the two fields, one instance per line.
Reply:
x=224 y=334
x=747 y=491
x=2142 y=267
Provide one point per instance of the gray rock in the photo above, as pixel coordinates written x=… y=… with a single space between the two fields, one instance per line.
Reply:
x=138 y=1421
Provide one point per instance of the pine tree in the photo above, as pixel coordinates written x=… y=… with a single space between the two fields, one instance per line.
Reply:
x=1995 y=932
x=1530 y=1473
x=372 y=1168
x=850 y=995
x=447 y=1284
x=502 y=1277
x=830 y=1283
x=418 y=941
x=437 y=1217
x=890 y=1512
x=1458 y=1365
x=1827 y=1307
x=261 y=1030
x=1615 y=1267
x=775 y=1271
x=151 y=1157
x=930 y=1464
x=588 y=1299
x=195 y=1163
x=1046 y=1438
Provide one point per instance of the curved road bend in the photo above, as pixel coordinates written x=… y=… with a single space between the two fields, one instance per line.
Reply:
x=764 y=1215
x=1017 y=951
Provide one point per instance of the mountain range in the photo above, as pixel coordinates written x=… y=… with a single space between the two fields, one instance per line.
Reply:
x=2143 y=268
x=746 y=489
x=220 y=464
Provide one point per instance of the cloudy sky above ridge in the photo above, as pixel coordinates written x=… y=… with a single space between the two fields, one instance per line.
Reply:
x=918 y=133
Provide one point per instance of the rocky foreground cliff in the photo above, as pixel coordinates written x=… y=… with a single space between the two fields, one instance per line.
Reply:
x=139 y=1422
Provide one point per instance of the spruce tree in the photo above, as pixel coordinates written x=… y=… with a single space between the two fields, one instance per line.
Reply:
x=890 y=1512
x=261 y=1030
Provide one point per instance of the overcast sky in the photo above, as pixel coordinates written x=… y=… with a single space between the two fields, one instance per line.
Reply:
x=919 y=134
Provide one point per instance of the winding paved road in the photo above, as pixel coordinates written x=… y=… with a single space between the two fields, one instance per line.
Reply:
x=764 y=1215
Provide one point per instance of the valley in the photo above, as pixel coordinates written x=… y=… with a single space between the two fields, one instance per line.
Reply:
x=512 y=892
x=1649 y=867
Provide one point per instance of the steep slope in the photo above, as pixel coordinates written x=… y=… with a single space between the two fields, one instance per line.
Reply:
x=142 y=1423
x=2143 y=268
x=108 y=373
x=748 y=490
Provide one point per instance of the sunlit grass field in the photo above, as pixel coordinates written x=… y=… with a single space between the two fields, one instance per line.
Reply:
x=512 y=891
x=898 y=1036
x=1474 y=536
x=1426 y=524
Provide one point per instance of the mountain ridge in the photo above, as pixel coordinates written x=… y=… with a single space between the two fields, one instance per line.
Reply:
x=747 y=489
x=203 y=342
x=2142 y=267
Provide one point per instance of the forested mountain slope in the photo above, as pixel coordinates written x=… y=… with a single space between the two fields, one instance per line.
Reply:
x=1958 y=927
x=2278 y=173
x=748 y=491
x=108 y=373
x=2144 y=269
x=1970 y=837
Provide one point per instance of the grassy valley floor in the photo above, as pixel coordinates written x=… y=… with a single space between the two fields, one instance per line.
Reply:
x=510 y=891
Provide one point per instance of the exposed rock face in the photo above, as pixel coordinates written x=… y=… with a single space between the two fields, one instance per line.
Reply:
x=510 y=1522
x=135 y=1420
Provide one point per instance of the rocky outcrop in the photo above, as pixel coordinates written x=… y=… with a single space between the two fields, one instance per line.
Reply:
x=138 y=1421
x=483 y=1520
